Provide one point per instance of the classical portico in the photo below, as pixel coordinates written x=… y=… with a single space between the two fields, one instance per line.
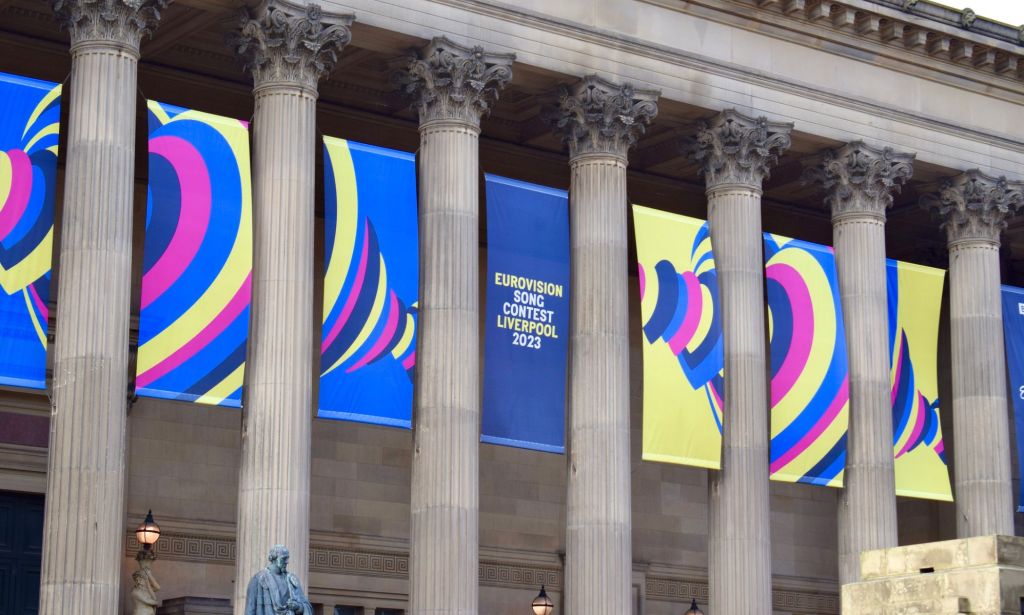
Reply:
x=568 y=95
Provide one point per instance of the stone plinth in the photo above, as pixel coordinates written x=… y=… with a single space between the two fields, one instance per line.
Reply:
x=190 y=605
x=971 y=576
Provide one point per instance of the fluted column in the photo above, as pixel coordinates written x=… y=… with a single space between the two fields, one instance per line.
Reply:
x=452 y=87
x=287 y=47
x=736 y=152
x=974 y=209
x=859 y=181
x=83 y=535
x=599 y=121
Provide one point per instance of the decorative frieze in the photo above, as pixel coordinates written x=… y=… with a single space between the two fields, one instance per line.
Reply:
x=859 y=179
x=336 y=560
x=735 y=149
x=974 y=206
x=290 y=43
x=448 y=81
x=683 y=590
x=120 y=22
x=598 y=116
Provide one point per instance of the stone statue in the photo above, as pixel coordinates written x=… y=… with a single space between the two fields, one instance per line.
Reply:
x=274 y=590
x=145 y=586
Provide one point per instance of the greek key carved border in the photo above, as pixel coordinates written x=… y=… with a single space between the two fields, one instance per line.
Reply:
x=337 y=560
x=682 y=590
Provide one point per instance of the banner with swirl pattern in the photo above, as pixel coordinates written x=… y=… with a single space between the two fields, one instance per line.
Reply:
x=197 y=258
x=915 y=301
x=809 y=385
x=29 y=134
x=682 y=340
x=371 y=284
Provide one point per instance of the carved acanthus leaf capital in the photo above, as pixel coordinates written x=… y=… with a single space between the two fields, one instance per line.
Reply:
x=290 y=43
x=735 y=149
x=122 y=22
x=860 y=179
x=448 y=81
x=974 y=206
x=597 y=116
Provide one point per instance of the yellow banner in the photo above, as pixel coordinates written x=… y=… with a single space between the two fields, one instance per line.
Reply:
x=682 y=340
x=915 y=300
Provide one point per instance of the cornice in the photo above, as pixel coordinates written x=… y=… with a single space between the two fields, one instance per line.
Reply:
x=859 y=27
x=1009 y=90
x=966 y=18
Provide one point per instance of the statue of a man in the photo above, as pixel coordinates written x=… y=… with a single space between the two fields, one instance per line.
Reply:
x=274 y=590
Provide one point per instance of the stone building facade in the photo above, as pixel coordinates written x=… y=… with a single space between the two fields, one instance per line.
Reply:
x=897 y=108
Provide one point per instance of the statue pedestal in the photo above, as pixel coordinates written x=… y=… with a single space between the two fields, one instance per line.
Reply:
x=190 y=605
x=972 y=576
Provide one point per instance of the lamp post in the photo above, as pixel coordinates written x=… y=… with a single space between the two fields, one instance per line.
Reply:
x=694 y=609
x=145 y=586
x=542 y=605
x=148 y=532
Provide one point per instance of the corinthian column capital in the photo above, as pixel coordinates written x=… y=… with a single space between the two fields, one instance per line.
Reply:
x=447 y=81
x=287 y=43
x=859 y=179
x=974 y=207
x=119 y=22
x=597 y=116
x=735 y=149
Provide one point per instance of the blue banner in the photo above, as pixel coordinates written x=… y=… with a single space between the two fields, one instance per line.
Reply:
x=29 y=129
x=527 y=315
x=371 y=284
x=1013 y=331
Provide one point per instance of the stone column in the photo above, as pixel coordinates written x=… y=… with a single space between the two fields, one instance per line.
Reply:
x=452 y=87
x=84 y=528
x=599 y=121
x=736 y=152
x=287 y=47
x=974 y=209
x=859 y=181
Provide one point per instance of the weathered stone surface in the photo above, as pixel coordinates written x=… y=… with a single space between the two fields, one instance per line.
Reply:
x=448 y=81
x=122 y=23
x=974 y=208
x=84 y=517
x=195 y=606
x=859 y=181
x=736 y=153
x=288 y=47
x=597 y=116
x=599 y=121
x=734 y=149
x=451 y=87
x=291 y=44
x=975 y=576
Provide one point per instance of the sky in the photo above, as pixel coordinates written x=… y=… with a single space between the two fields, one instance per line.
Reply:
x=1007 y=11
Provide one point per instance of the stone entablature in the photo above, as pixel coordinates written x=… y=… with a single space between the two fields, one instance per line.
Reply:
x=974 y=44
